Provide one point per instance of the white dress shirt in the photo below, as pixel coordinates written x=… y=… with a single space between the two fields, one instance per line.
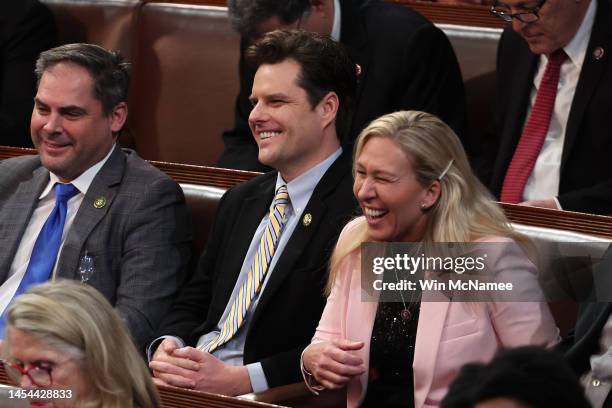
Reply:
x=598 y=382
x=335 y=34
x=46 y=202
x=543 y=183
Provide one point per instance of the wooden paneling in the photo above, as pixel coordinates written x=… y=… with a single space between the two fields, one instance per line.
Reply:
x=441 y=13
x=225 y=178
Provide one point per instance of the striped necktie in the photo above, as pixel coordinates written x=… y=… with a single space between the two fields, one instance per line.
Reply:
x=534 y=132
x=257 y=272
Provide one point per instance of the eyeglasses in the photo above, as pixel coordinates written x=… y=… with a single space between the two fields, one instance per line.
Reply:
x=528 y=15
x=39 y=375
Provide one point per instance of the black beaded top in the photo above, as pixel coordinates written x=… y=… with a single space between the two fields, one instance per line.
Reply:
x=390 y=379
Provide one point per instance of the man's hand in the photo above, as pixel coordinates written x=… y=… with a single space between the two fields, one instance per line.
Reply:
x=332 y=363
x=550 y=203
x=191 y=368
x=164 y=358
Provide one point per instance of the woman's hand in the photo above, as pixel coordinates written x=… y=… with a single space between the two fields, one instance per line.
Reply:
x=332 y=363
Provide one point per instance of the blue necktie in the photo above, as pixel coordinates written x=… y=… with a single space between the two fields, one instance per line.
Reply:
x=47 y=244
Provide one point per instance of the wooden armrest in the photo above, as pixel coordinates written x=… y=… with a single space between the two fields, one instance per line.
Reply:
x=298 y=395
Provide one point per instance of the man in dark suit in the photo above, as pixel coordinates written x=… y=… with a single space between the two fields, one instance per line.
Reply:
x=404 y=61
x=569 y=168
x=588 y=347
x=124 y=228
x=27 y=28
x=302 y=89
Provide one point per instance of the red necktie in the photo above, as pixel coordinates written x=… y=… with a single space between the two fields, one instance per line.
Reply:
x=534 y=132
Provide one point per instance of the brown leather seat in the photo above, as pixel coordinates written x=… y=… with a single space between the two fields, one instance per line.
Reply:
x=476 y=50
x=109 y=23
x=185 y=80
x=203 y=202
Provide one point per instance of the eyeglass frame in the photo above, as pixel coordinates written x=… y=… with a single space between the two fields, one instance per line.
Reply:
x=13 y=370
x=508 y=17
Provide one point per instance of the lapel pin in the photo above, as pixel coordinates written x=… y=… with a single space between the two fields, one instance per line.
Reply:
x=598 y=53
x=307 y=219
x=99 y=202
x=357 y=70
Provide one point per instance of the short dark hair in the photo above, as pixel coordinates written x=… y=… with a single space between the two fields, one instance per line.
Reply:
x=245 y=15
x=532 y=375
x=108 y=69
x=324 y=67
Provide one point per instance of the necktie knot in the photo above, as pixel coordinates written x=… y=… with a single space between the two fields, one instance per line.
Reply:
x=282 y=195
x=281 y=199
x=64 y=192
x=557 y=58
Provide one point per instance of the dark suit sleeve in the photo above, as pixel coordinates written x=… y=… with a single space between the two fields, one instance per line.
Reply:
x=156 y=249
x=240 y=149
x=190 y=308
x=26 y=34
x=432 y=81
x=596 y=199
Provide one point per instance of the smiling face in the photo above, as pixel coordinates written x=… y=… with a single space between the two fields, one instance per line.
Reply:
x=68 y=127
x=388 y=192
x=66 y=373
x=289 y=132
x=558 y=23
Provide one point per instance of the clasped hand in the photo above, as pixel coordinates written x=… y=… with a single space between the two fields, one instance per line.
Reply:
x=333 y=363
x=187 y=367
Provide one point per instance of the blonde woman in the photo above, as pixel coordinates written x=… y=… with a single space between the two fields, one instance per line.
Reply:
x=65 y=336
x=414 y=183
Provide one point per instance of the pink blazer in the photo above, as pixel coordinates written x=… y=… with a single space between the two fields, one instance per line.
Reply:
x=449 y=334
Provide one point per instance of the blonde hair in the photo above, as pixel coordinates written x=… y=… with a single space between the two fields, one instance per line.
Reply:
x=76 y=319
x=465 y=210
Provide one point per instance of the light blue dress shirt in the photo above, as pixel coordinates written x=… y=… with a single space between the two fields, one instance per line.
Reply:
x=300 y=190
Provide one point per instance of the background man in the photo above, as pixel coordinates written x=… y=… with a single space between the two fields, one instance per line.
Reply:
x=588 y=348
x=257 y=294
x=404 y=61
x=554 y=83
x=84 y=202
x=28 y=28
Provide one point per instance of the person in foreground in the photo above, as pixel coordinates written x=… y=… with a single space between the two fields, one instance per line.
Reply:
x=65 y=336
x=83 y=208
x=524 y=377
x=413 y=183
x=256 y=297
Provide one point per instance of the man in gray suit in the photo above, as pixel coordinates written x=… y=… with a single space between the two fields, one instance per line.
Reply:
x=124 y=228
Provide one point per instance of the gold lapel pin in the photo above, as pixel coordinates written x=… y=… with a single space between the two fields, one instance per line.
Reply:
x=99 y=202
x=307 y=219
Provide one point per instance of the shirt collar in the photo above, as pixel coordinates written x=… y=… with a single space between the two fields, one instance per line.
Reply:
x=300 y=189
x=577 y=47
x=82 y=182
x=335 y=34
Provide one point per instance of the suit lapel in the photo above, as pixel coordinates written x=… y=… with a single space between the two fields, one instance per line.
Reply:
x=302 y=235
x=433 y=315
x=353 y=36
x=17 y=211
x=252 y=211
x=104 y=185
x=592 y=71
